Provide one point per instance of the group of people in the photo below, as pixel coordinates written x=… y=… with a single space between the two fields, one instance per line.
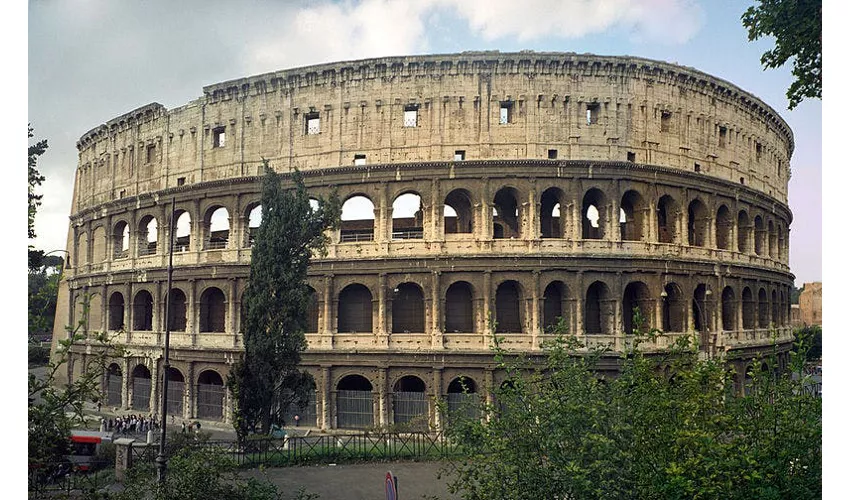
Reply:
x=130 y=424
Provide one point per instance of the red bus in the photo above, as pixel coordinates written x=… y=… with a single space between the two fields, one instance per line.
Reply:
x=85 y=446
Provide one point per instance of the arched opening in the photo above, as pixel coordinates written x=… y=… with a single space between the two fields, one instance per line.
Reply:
x=121 y=240
x=312 y=312
x=358 y=220
x=701 y=314
x=116 y=312
x=596 y=314
x=758 y=224
x=408 y=309
x=182 y=231
x=764 y=309
x=743 y=232
x=95 y=313
x=407 y=217
x=508 y=315
x=143 y=311
x=255 y=218
x=176 y=390
x=668 y=215
x=459 y=311
x=148 y=234
x=551 y=222
x=355 y=310
x=554 y=298
x=410 y=404
x=506 y=214
x=593 y=215
x=81 y=255
x=216 y=228
x=210 y=395
x=723 y=230
x=730 y=310
x=457 y=212
x=673 y=312
x=632 y=211
x=748 y=309
x=141 y=388
x=698 y=223
x=177 y=310
x=636 y=297
x=114 y=381
x=354 y=403
x=462 y=398
x=773 y=240
x=212 y=310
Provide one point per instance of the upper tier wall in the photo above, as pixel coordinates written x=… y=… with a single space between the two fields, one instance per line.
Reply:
x=564 y=105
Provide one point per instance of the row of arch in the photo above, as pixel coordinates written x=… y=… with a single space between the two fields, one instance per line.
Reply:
x=670 y=309
x=634 y=217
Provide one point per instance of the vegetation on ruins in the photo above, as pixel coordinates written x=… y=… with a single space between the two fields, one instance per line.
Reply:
x=267 y=380
x=668 y=426
x=797 y=28
x=35 y=179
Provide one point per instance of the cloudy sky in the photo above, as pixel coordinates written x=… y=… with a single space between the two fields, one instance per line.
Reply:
x=92 y=60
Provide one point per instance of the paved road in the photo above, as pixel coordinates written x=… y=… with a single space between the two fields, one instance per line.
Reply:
x=416 y=480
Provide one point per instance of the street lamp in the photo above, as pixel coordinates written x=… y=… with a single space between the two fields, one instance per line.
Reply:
x=161 y=460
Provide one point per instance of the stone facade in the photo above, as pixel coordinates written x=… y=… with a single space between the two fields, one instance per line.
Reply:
x=543 y=185
x=811 y=307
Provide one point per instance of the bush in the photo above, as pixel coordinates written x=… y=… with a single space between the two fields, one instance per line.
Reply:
x=38 y=355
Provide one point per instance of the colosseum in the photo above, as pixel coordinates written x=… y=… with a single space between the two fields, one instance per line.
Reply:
x=483 y=191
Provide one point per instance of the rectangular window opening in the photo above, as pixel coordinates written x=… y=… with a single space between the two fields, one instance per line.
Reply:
x=219 y=137
x=666 y=118
x=696 y=167
x=722 y=141
x=505 y=112
x=181 y=181
x=312 y=123
x=742 y=180
x=460 y=155
x=630 y=156
x=359 y=159
x=553 y=154
x=758 y=151
x=150 y=155
x=411 y=115
x=592 y=113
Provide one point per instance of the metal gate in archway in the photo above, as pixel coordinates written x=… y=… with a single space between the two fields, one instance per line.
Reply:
x=113 y=388
x=175 y=397
x=410 y=407
x=354 y=409
x=141 y=393
x=210 y=401
x=463 y=405
x=307 y=416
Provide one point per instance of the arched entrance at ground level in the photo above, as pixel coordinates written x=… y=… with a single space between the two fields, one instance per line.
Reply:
x=176 y=389
x=410 y=404
x=307 y=415
x=354 y=406
x=210 y=396
x=462 y=398
x=113 y=385
x=141 y=388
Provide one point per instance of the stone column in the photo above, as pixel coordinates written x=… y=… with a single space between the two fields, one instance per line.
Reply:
x=232 y=312
x=437 y=306
x=384 y=400
x=437 y=392
x=158 y=312
x=196 y=242
x=104 y=309
x=652 y=212
x=381 y=327
x=192 y=313
x=125 y=383
x=488 y=387
x=535 y=309
x=128 y=311
x=189 y=392
x=327 y=308
x=487 y=290
x=324 y=398
x=436 y=216
x=155 y=388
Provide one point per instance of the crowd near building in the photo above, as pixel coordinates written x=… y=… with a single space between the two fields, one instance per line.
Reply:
x=483 y=193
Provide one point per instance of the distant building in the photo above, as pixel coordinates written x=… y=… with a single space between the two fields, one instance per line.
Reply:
x=811 y=308
x=796 y=322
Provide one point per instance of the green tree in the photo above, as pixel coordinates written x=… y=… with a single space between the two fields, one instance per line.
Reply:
x=35 y=178
x=796 y=26
x=267 y=379
x=668 y=426
x=55 y=409
x=43 y=288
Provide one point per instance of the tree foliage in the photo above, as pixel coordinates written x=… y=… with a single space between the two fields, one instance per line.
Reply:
x=267 y=379
x=796 y=25
x=35 y=178
x=668 y=426
x=55 y=409
x=42 y=291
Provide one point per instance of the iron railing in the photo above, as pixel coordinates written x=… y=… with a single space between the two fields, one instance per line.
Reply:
x=52 y=479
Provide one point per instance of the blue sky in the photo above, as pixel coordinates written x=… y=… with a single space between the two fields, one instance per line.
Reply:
x=92 y=60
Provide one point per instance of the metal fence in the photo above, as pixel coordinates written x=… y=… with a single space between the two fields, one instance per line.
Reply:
x=141 y=393
x=410 y=407
x=113 y=389
x=54 y=479
x=354 y=409
x=210 y=401
x=463 y=405
x=175 y=397
x=307 y=415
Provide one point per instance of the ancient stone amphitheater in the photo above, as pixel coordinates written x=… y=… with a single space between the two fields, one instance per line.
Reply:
x=482 y=191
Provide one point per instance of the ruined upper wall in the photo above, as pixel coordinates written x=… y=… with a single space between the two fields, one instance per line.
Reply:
x=569 y=105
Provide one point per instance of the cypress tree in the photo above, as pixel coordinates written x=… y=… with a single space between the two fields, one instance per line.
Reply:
x=274 y=307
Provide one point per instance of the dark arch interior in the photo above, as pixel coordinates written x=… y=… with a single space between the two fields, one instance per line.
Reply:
x=354 y=383
x=508 y=318
x=409 y=383
x=408 y=309
x=459 y=311
x=462 y=385
x=355 y=310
